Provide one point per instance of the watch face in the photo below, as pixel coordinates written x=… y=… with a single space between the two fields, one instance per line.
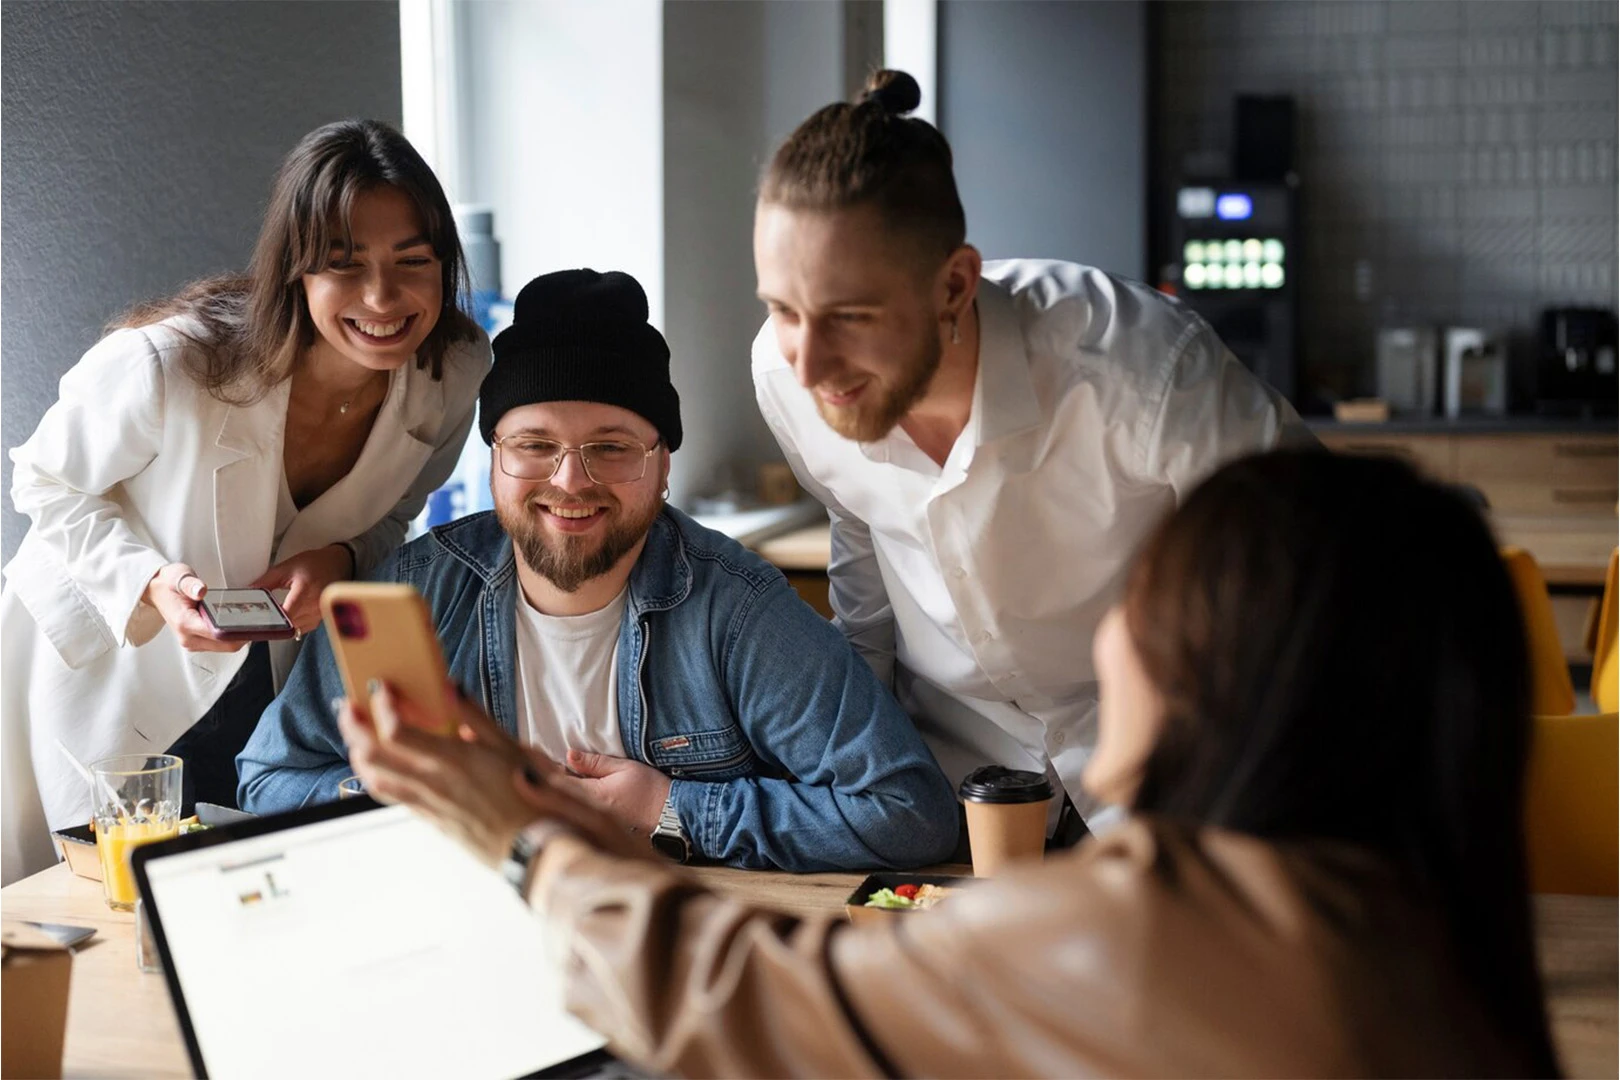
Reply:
x=672 y=847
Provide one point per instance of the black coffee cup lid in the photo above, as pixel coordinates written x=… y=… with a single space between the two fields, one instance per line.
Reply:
x=999 y=784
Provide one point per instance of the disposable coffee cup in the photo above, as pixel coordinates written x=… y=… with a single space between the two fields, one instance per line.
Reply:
x=1006 y=816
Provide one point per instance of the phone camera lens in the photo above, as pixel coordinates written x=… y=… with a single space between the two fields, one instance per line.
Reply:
x=351 y=621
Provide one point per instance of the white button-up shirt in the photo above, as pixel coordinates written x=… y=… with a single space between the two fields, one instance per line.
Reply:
x=974 y=588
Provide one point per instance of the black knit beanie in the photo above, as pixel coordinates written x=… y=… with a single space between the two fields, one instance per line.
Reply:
x=578 y=335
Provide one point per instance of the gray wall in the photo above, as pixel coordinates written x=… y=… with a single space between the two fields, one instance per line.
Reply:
x=738 y=78
x=1456 y=159
x=1045 y=105
x=140 y=141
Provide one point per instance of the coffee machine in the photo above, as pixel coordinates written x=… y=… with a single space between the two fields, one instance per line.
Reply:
x=1234 y=246
x=1576 y=375
x=1237 y=251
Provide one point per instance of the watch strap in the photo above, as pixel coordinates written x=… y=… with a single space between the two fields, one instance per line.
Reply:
x=668 y=836
x=530 y=841
x=669 y=821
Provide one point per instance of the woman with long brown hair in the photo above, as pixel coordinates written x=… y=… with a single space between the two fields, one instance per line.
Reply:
x=1315 y=709
x=278 y=428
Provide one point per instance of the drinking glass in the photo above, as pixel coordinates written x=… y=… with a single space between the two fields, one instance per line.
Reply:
x=137 y=801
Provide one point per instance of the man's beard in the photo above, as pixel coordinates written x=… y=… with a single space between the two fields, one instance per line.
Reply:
x=567 y=561
x=883 y=406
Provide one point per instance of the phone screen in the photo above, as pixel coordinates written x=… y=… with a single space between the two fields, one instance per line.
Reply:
x=244 y=609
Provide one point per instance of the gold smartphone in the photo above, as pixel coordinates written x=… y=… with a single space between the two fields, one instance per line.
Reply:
x=385 y=631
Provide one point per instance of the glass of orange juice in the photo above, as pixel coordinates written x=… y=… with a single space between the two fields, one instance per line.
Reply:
x=137 y=800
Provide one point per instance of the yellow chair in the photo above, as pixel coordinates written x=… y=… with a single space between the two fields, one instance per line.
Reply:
x=1605 y=634
x=1572 y=805
x=1551 y=691
x=1572 y=786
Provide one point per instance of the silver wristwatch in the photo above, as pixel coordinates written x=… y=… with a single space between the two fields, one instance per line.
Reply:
x=668 y=838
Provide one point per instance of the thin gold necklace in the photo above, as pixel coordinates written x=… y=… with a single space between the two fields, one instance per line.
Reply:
x=344 y=408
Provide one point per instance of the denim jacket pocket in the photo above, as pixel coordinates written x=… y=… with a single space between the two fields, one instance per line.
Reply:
x=722 y=754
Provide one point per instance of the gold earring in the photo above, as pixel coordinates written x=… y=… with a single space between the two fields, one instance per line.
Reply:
x=956 y=332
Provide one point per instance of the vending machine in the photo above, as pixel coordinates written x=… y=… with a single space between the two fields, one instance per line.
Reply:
x=1235 y=260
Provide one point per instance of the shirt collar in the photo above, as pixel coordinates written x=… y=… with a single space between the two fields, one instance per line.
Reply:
x=661 y=579
x=1004 y=401
x=663 y=575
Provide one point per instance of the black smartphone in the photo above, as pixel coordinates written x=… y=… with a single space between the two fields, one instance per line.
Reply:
x=245 y=615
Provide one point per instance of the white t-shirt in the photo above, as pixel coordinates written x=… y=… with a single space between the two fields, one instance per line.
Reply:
x=566 y=686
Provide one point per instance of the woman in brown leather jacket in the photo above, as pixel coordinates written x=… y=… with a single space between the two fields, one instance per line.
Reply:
x=1314 y=702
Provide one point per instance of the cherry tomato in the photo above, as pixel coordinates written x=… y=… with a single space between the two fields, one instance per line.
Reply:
x=906 y=892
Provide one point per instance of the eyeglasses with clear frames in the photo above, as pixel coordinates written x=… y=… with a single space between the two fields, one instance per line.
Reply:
x=617 y=461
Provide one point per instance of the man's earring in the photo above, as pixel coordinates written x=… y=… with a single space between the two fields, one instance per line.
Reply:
x=956 y=332
x=666 y=493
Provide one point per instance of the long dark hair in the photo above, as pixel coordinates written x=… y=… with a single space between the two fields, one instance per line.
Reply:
x=1341 y=656
x=254 y=327
x=872 y=153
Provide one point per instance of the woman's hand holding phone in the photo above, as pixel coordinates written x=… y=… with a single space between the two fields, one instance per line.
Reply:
x=176 y=592
x=304 y=576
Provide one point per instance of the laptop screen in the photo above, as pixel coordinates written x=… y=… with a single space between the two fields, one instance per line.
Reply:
x=355 y=944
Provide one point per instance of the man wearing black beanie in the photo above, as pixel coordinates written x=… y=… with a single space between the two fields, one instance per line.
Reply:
x=580 y=337
x=689 y=692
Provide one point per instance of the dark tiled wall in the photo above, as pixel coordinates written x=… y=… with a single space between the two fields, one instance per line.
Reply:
x=1456 y=157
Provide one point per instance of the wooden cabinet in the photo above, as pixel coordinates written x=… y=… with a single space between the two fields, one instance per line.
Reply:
x=1553 y=494
x=1538 y=474
x=1435 y=457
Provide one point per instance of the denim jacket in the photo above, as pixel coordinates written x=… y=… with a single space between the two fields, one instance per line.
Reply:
x=783 y=748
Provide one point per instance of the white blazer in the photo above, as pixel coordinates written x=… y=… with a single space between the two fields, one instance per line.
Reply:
x=136 y=466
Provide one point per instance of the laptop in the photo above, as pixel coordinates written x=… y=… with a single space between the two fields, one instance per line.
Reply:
x=352 y=939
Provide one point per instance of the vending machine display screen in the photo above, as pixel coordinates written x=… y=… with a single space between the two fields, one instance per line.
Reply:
x=1234 y=206
x=1247 y=263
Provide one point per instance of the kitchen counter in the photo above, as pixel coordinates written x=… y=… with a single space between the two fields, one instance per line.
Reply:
x=1469 y=425
x=753 y=526
x=808 y=548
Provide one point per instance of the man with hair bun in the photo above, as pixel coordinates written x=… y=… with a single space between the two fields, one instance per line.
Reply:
x=991 y=441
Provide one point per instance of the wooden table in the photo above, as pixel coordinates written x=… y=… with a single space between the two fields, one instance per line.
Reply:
x=120 y=1022
x=1575 y=941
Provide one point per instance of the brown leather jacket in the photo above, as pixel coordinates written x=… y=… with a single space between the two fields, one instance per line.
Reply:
x=1154 y=951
